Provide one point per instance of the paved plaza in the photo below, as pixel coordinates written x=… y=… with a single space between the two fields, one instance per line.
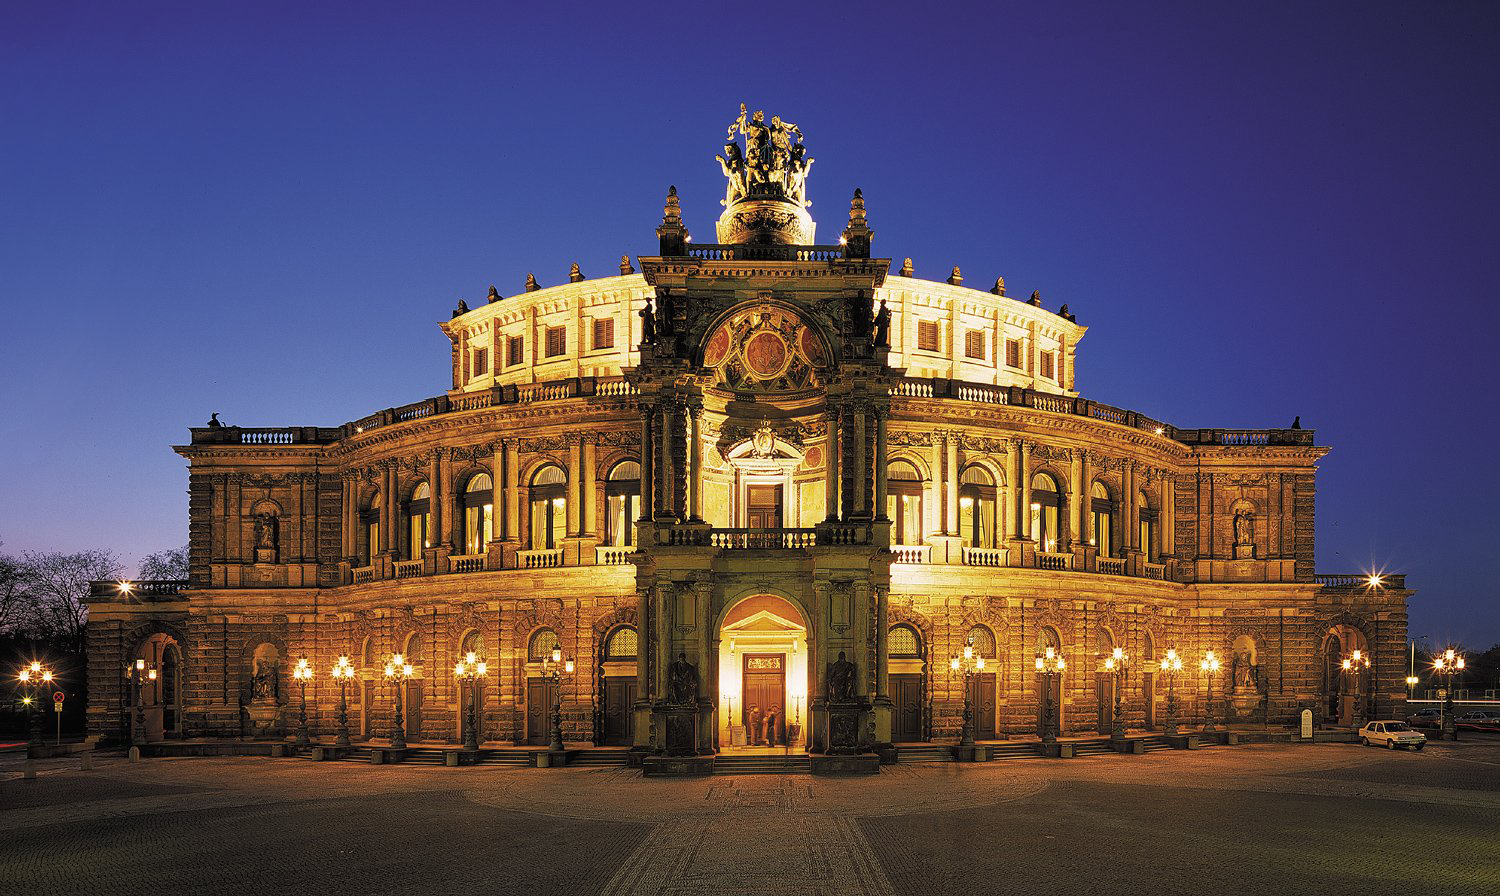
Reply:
x=1276 y=819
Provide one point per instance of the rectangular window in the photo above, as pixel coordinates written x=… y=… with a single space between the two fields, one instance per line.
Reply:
x=1013 y=353
x=1046 y=365
x=481 y=361
x=557 y=342
x=604 y=332
x=927 y=335
x=515 y=350
x=974 y=344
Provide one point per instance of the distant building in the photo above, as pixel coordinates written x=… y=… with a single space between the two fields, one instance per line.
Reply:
x=706 y=481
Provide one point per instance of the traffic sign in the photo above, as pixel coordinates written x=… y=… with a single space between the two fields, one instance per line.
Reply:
x=57 y=696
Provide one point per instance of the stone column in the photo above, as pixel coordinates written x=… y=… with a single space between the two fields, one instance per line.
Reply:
x=235 y=535
x=882 y=648
x=1083 y=498
x=645 y=620
x=294 y=545
x=350 y=517
x=1168 y=516
x=512 y=490
x=648 y=464
x=1023 y=491
x=880 y=466
x=587 y=500
x=1132 y=515
x=695 y=460
x=936 y=522
x=575 y=478
x=439 y=532
x=390 y=538
x=663 y=448
x=950 y=472
x=831 y=466
x=497 y=493
x=861 y=463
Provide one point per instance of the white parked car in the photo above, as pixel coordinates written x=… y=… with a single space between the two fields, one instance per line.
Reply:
x=1392 y=734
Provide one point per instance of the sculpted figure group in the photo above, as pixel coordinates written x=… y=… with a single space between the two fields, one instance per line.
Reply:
x=773 y=164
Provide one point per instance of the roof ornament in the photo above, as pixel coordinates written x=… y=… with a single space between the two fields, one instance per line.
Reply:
x=574 y=274
x=625 y=267
x=531 y=284
x=956 y=278
x=906 y=269
x=999 y=287
x=765 y=197
x=1036 y=298
x=494 y=294
x=1063 y=313
x=856 y=238
x=672 y=235
x=462 y=309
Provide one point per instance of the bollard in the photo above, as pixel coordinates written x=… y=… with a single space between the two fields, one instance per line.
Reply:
x=28 y=771
x=88 y=762
x=135 y=754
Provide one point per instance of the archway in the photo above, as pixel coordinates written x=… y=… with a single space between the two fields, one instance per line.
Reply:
x=160 y=697
x=762 y=675
x=1340 y=687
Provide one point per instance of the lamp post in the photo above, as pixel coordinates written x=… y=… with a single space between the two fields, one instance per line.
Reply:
x=138 y=673
x=343 y=673
x=34 y=679
x=397 y=671
x=1171 y=666
x=470 y=670
x=1209 y=666
x=302 y=673
x=1051 y=664
x=1355 y=665
x=553 y=667
x=1115 y=664
x=966 y=667
x=1447 y=665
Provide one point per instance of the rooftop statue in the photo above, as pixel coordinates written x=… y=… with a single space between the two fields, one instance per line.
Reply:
x=773 y=163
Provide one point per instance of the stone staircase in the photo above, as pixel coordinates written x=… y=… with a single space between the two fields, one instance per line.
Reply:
x=767 y=764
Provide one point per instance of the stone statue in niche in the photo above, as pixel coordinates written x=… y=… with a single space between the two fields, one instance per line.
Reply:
x=840 y=680
x=266 y=525
x=883 y=325
x=648 y=324
x=265 y=678
x=1243 y=671
x=260 y=692
x=682 y=681
x=1244 y=533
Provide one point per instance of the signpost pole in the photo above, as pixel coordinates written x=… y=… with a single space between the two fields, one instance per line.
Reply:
x=57 y=702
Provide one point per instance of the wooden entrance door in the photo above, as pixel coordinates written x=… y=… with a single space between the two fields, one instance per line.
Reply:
x=541 y=696
x=764 y=680
x=1148 y=697
x=364 y=708
x=1104 y=689
x=763 y=506
x=1041 y=703
x=906 y=700
x=982 y=702
x=413 y=710
x=619 y=711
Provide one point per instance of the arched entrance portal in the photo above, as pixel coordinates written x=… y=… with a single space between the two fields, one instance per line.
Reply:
x=762 y=675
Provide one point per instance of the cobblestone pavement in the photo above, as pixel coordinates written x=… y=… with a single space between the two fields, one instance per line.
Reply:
x=1250 y=819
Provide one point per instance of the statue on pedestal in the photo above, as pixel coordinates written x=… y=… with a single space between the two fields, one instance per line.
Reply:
x=682 y=682
x=840 y=680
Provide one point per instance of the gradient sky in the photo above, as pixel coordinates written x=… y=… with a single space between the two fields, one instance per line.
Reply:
x=1261 y=210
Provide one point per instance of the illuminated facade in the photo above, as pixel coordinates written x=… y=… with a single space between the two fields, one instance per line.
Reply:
x=706 y=480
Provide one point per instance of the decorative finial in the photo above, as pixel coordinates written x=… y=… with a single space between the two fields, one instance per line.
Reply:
x=494 y=295
x=625 y=267
x=999 y=287
x=671 y=213
x=462 y=309
x=1297 y=422
x=531 y=284
x=956 y=278
x=857 y=236
x=906 y=268
x=574 y=274
x=672 y=235
x=1036 y=298
x=1063 y=313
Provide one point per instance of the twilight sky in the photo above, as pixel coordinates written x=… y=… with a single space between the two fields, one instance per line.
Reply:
x=263 y=210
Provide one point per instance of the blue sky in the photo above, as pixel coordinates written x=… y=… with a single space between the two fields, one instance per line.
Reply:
x=264 y=210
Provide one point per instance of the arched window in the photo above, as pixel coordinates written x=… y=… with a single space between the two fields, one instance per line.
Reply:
x=903 y=502
x=479 y=513
x=1148 y=527
x=543 y=642
x=1046 y=512
x=369 y=530
x=416 y=651
x=904 y=642
x=367 y=654
x=1103 y=507
x=549 y=507
x=622 y=644
x=983 y=640
x=976 y=507
x=622 y=490
x=418 y=515
x=473 y=643
x=1047 y=637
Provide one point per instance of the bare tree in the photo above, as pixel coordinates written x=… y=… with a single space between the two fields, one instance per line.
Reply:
x=57 y=584
x=13 y=594
x=171 y=564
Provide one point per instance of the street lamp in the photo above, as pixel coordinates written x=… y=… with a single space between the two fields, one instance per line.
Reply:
x=303 y=673
x=1051 y=664
x=1115 y=664
x=1449 y=664
x=470 y=670
x=966 y=667
x=554 y=667
x=1355 y=665
x=34 y=679
x=397 y=671
x=343 y=673
x=1171 y=666
x=138 y=673
x=1209 y=666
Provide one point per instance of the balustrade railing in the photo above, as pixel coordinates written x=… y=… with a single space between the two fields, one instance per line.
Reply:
x=407 y=569
x=1157 y=571
x=763 y=539
x=738 y=252
x=1362 y=580
x=986 y=556
x=1057 y=562
x=613 y=555
x=912 y=553
x=843 y=534
x=363 y=575
x=1112 y=566
x=548 y=558
x=466 y=563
